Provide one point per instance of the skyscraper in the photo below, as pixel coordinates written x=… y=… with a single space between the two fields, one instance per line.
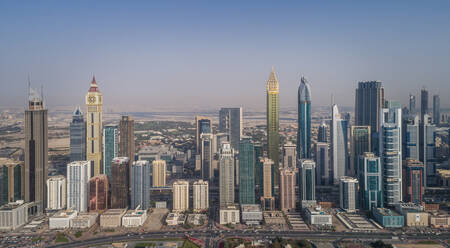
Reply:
x=246 y=172
x=322 y=133
x=338 y=145
x=273 y=136
x=98 y=193
x=226 y=175
x=287 y=188
x=120 y=175
x=56 y=192
x=78 y=174
x=258 y=170
x=206 y=152
x=410 y=137
x=304 y=120
x=230 y=122
x=267 y=199
x=180 y=195
x=423 y=103
x=413 y=181
x=36 y=152
x=390 y=149
x=140 y=184
x=11 y=183
x=110 y=147
x=348 y=188
x=324 y=172
x=360 y=143
x=159 y=173
x=369 y=100
x=307 y=183
x=94 y=102
x=126 y=139
x=77 y=130
x=289 y=155
x=436 y=109
x=370 y=181
x=412 y=104
x=200 y=195
x=427 y=149
x=203 y=125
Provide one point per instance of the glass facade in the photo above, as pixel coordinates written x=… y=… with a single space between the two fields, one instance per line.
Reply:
x=77 y=130
x=304 y=120
x=370 y=181
x=140 y=186
x=246 y=172
x=110 y=147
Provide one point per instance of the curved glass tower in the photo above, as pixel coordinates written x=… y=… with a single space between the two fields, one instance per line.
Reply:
x=304 y=120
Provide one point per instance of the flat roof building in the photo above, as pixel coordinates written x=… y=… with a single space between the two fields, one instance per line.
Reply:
x=13 y=215
x=62 y=219
x=84 y=220
x=388 y=218
x=134 y=218
x=112 y=218
x=251 y=214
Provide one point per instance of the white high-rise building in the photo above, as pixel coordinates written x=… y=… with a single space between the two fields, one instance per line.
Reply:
x=78 y=175
x=201 y=195
x=226 y=175
x=56 y=193
x=338 y=144
x=348 y=188
x=180 y=190
x=159 y=173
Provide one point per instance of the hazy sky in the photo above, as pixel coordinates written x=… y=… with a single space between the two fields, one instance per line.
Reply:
x=188 y=54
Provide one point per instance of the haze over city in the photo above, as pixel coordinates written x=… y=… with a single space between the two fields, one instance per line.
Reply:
x=198 y=55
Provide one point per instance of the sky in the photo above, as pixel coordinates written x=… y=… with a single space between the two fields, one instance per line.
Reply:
x=184 y=55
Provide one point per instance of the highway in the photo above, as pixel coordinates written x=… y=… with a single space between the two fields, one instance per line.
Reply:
x=213 y=235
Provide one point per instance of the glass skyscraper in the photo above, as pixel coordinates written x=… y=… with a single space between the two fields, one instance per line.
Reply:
x=273 y=125
x=304 y=120
x=423 y=103
x=203 y=125
x=246 y=172
x=370 y=181
x=77 y=130
x=436 y=109
x=360 y=143
x=140 y=184
x=110 y=147
x=368 y=103
x=307 y=183
x=339 y=148
x=230 y=122
x=322 y=133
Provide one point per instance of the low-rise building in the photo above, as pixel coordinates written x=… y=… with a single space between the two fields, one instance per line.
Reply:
x=251 y=214
x=197 y=219
x=84 y=220
x=62 y=219
x=413 y=214
x=134 y=218
x=174 y=219
x=388 y=218
x=316 y=216
x=229 y=214
x=440 y=221
x=112 y=218
x=160 y=204
x=13 y=215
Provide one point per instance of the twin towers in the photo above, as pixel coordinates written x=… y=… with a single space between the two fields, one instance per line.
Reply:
x=273 y=121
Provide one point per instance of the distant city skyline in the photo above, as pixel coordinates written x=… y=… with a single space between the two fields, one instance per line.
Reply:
x=155 y=54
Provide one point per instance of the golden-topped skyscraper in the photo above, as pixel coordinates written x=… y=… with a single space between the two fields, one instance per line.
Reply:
x=273 y=137
x=94 y=104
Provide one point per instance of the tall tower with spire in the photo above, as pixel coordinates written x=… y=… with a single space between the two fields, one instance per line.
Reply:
x=94 y=104
x=304 y=120
x=273 y=136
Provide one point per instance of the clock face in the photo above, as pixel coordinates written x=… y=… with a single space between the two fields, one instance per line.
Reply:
x=91 y=99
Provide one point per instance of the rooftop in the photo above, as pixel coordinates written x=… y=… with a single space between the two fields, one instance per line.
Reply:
x=132 y=213
x=8 y=161
x=251 y=208
x=387 y=212
x=117 y=211
x=64 y=214
x=12 y=205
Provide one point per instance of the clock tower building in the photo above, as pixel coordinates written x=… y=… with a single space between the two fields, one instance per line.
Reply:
x=94 y=104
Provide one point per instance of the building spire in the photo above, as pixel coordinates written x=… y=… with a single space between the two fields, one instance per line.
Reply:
x=272 y=83
x=94 y=86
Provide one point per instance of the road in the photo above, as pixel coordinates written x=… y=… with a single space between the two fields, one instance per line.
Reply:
x=211 y=235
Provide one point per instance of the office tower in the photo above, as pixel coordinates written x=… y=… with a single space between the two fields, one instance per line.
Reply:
x=202 y=125
x=218 y=139
x=370 y=181
x=410 y=137
x=289 y=155
x=231 y=123
x=110 y=147
x=427 y=149
x=78 y=175
x=413 y=181
x=287 y=188
x=304 y=119
x=226 y=175
x=119 y=182
x=206 y=157
x=273 y=137
x=412 y=104
x=423 y=103
x=360 y=143
x=267 y=199
x=36 y=152
x=246 y=172
x=140 y=184
x=436 y=109
x=369 y=100
x=159 y=173
x=98 y=192
x=322 y=133
x=324 y=172
x=338 y=145
x=77 y=129
x=56 y=192
x=94 y=102
x=11 y=183
x=390 y=149
x=126 y=139
x=200 y=195
x=348 y=188
x=258 y=170
x=180 y=195
x=307 y=183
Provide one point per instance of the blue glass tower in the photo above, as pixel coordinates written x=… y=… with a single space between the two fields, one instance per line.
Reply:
x=77 y=136
x=246 y=172
x=304 y=120
x=110 y=147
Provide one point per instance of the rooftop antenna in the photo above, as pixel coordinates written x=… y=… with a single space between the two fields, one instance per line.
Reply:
x=42 y=95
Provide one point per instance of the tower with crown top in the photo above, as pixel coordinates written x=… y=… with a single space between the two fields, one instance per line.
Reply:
x=94 y=104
